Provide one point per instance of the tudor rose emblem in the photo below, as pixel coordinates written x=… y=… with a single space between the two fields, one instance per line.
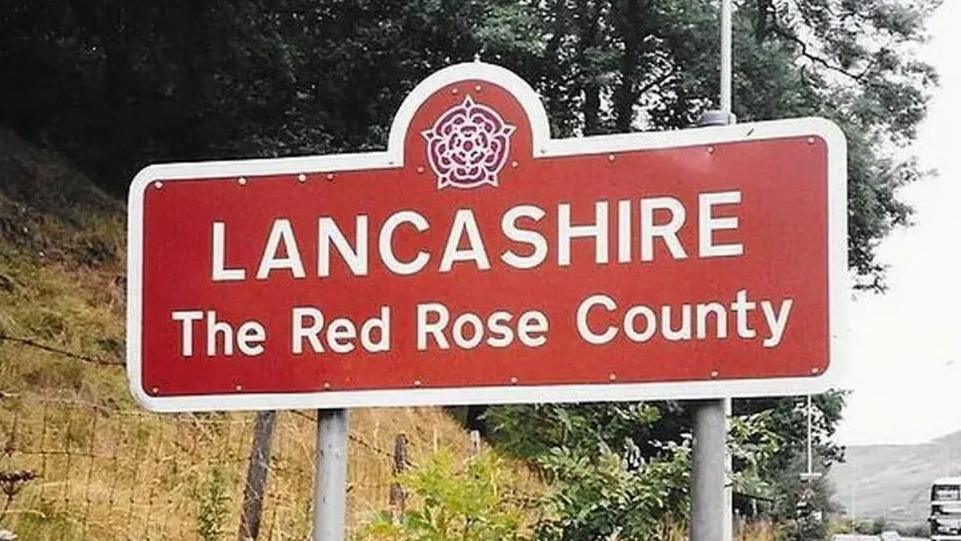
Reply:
x=468 y=145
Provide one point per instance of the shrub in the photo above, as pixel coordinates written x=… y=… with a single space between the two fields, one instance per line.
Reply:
x=610 y=496
x=211 y=497
x=453 y=499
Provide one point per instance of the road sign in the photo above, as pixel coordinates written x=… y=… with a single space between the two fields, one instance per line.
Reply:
x=479 y=260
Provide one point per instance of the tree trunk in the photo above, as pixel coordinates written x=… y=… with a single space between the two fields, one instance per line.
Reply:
x=626 y=95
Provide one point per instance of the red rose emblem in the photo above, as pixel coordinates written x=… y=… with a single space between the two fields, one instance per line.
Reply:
x=468 y=145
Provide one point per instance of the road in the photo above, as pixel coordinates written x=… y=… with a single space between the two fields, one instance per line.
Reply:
x=872 y=538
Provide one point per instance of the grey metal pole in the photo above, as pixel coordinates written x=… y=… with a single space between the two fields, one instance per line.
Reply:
x=810 y=445
x=711 y=493
x=708 y=473
x=727 y=529
x=726 y=91
x=330 y=483
x=726 y=38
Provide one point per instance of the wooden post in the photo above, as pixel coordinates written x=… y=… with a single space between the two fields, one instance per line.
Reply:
x=398 y=498
x=475 y=442
x=257 y=470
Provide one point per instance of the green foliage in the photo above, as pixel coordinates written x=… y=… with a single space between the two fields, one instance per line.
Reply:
x=118 y=84
x=612 y=496
x=467 y=500
x=212 y=504
x=776 y=431
x=754 y=442
x=47 y=522
x=532 y=431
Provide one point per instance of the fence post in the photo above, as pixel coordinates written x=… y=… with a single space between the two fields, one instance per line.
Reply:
x=257 y=470
x=398 y=498
x=475 y=442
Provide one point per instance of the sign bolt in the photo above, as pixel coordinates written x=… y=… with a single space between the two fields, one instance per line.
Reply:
x=238 y=387
x=154 y=390
x=242 y=181
x=158 y=184
x=714 y=373
x=513 y=380
x=612 y=377
x=610 y=157
x=514 y=164
x=453 y=91
x=302 y=177
x=420 y=169
x=330 y=176
x=810 y=140
x=416 y=383
x=815 y=370
x=326 y=385
x=477 y=88
x=710 y=150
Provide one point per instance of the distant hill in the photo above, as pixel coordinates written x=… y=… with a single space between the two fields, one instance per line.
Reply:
x=894 y=481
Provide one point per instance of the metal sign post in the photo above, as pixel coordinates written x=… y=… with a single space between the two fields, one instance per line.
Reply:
x=232 y=322
x=330 y=481
x=711 y=492
x=708 y=475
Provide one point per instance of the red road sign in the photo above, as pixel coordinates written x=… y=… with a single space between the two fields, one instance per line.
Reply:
x=477 y=260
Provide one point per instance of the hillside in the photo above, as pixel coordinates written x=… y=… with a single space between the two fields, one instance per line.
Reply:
x=106 y=469
x=894 y=481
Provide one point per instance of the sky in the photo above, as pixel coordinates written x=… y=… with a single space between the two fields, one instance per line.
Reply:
x=905 y=345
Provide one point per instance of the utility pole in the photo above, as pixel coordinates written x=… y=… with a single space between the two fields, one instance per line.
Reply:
x=810 y=475
x=711 y=497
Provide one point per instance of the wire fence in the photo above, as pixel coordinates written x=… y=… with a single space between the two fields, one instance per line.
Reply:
x=76 y=470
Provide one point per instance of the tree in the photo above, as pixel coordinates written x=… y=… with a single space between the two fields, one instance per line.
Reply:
x=118 y=84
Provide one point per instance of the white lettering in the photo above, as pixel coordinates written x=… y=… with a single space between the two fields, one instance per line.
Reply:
x=567 y=232
x=186 y=319
x=220 y=272
x=386 y=239
x=707 y=224
x=583 y=311
x=355 y=258
x=464 y=222
x=533 y=238
x=667 y=231
x=776 y=323
x=281 y=233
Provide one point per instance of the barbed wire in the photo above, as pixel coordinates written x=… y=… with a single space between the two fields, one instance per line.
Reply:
x=135 y=470
x=30 y=342
x=357 y=439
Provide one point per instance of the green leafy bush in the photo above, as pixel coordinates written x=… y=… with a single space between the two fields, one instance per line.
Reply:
x=613 y=496
x=467 y=500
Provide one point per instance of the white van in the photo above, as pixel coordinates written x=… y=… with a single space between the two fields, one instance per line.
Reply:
x=945 y=516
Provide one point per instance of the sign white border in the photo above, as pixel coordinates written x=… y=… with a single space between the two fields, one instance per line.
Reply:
x=543 y=147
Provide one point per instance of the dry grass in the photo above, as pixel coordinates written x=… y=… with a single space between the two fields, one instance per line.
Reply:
x=122 y=474
x=756 y=531
x=745 y=531
x=109 y=470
